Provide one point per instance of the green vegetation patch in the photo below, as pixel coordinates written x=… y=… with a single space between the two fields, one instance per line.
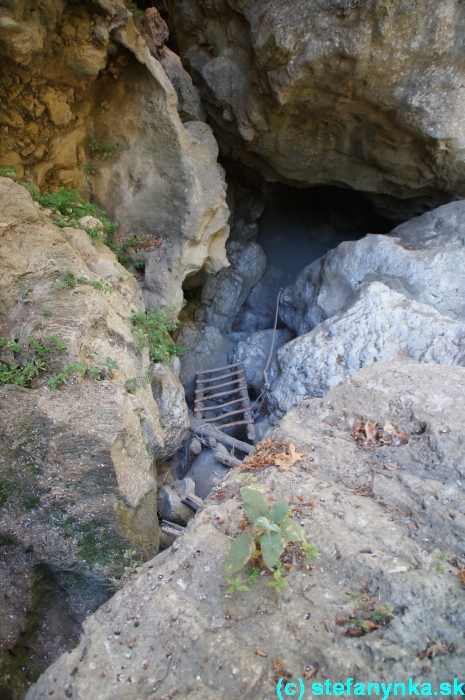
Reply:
x=152 y=330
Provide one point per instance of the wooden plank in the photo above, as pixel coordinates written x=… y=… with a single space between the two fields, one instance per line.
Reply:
x=225 y=415
x=227 y=460
x=220 y=393
x=223 y=376
x=220 y=405
x=219 y=386
x=248 y=421
x=199 y=427
x=193 y=501
x=218 y=369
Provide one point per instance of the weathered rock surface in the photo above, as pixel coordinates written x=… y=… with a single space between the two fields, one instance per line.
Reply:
x=377 y=325
x=77 y=461
x=255 y=351
x=119 y=138
x=259 y=310
x=224 y=293
x=423 y=259
x=388 y=523
x=350 y=93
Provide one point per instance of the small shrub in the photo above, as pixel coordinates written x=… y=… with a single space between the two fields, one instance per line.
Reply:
x=62 y=378
x=23 y=374
x=44 y=347
x=9 y=171
x=152 y=330
x=89 y=167
x=131 y=385
x=47 y=312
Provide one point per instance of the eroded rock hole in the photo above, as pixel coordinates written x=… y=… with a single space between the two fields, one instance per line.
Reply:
x=276 y=232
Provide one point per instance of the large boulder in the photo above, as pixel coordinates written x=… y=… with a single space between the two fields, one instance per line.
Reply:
x=423 y=259
x=255 y=350
x=351 y=92
x=223 y=294
x=389 y=524
x=377 y=325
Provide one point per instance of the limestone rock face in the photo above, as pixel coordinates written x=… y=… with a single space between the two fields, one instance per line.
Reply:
x=367 y=546
x=119 y=139
x=353 y=93
x=422 y=259
x=87 y=448
x=377 y=325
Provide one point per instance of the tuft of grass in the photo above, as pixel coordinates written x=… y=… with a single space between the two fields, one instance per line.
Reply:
x=9 y=171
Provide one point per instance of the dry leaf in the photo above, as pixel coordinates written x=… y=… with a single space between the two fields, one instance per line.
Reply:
x=371 y=430
x=310 y=674
x=340 y=621
x=284 y=461
x=397 y=436
x=259 y=652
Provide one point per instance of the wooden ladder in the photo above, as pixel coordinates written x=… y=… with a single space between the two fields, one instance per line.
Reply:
x=224 y=388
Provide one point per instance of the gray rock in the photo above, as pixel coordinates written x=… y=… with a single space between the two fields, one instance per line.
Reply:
x=259 y=310
x=423 y=259
x=345 y=92
x=255 y=352
x=377 y=325
x=206 y=471
x=224 y=293
x=393 y=546
x=189 y=105
x=168 y=393
x=170 y=505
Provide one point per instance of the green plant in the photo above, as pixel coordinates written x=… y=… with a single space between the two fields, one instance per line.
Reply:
x=28 y=297
x=69 y=280
x=8 y=171
x=62 y=378
x=95 y=235
x=133 y=562
x=131 y=385
x=89 y=167
x=71 y=206
x=94 y=372
x=139 y=265
x=44 y=347
x=279 y=581
x=102 y=286
x=23 y=374
x=112 y=366
x=311 y=550
x=236 y=584
x=271 y=530
x=440 y=563
x=152 y=329
x=105 y=151
x=132 y=7
x=47 y=312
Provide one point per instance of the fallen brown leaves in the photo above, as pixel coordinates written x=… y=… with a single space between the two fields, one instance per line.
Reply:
x=436 y=648
x=367 y=435
x=278 y=671
x=462 y=577
x=367 y=616
x=270 y=452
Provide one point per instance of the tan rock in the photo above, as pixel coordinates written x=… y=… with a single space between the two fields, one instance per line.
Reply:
x=14 y=159
x=41 y=170
x=39 y=151
x=62 y=149
x=31 y=128
x=58 y=109
x=11 y=117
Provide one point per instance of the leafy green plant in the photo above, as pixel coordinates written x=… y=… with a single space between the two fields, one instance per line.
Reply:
x=139 y=265
x=94 y=372
x=279 y=581
x=237 y=584
x=152 y=330
x=104 y=151
x=132 y=7
x=441 y=560
x=47 y=312
x=133 y=562
x=22 y=374
x=311 y=550
x=28 y=297
x=111 y=366
x=9 y=171
x=62 y=378
x=69 y=280
x=271 y=530
x=89 y=167
x=71 y=207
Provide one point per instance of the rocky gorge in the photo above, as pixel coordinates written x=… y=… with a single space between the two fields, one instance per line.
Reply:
x=186 y=185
